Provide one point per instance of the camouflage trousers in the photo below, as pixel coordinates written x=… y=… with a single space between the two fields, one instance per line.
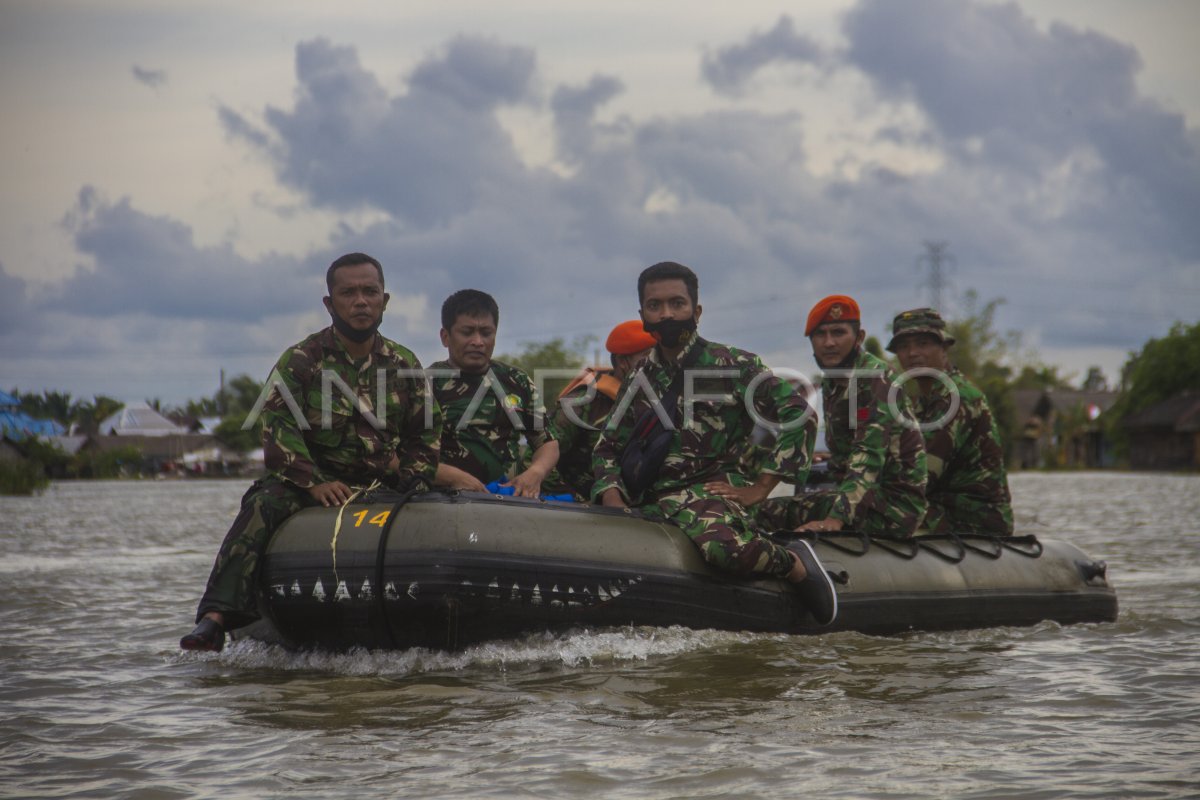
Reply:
x=956 y=513
x=722 y=531
x=231 y=584
x=897 y=520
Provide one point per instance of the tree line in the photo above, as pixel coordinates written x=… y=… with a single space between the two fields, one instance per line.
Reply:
x=997 y=362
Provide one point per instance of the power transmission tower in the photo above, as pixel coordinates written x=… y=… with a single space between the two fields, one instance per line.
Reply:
x=938 y=260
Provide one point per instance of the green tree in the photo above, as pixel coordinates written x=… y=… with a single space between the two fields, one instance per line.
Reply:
x=1095 y=381
x=204 y=407
x=31 y=473
x=116 y=463
x=996 y=362
x=88 y=415
x=49 y=405
x=22 y=477
x=983 y=354
x=551 y=354
x=1040 y=376
x=241 y=393
x=229 y=433
x=1163 y=368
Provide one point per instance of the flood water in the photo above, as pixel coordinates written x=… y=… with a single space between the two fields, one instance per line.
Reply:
x=98 y=580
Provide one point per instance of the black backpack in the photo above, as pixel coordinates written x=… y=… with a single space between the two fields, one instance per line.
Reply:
x=647 y=449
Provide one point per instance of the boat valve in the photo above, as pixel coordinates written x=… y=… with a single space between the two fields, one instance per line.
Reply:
x=1093 y=569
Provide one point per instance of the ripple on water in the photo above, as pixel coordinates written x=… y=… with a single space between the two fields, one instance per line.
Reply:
x=99 y=580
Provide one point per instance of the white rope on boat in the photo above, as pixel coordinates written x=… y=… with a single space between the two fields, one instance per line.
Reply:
x=337 y=523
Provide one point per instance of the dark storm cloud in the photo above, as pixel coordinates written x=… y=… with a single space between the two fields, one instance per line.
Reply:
x=1040 y=181
x=729 y=68
x=729 y=192
x=151 y=265
x=423 y=157
x=1005 y=95
x=574 y=111
x=153 y=78
x=477 y=73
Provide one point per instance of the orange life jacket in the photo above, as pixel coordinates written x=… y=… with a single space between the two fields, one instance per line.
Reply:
x=606 y=383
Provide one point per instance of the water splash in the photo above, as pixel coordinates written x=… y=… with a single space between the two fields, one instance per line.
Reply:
x=579 y=648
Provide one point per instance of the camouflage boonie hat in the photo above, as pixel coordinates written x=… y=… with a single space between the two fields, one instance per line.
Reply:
x=919 y=320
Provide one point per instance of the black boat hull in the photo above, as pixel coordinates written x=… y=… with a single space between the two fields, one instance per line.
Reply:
x=446 y=571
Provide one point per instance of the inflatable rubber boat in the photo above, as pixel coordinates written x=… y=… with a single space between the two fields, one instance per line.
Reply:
x=446 y=570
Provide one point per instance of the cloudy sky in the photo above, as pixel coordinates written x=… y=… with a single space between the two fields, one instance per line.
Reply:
x=177 y=176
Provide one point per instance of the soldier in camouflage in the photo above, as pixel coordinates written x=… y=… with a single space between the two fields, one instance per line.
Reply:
x=488 y=406
x=584 y=406
x=968 y=488
x=877 y=457
x=346 y=407
x=700 y=486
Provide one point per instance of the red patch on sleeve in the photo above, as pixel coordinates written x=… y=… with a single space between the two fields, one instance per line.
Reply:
x=864 y=414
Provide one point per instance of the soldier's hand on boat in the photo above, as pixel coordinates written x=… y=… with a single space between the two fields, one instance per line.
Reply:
x=333 y=493
x=745 y=496
x=527 y=484
x=459 y=479
x=822 y=525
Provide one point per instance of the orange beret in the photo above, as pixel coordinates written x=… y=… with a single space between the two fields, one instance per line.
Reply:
x=629 y=338
x=835 y=308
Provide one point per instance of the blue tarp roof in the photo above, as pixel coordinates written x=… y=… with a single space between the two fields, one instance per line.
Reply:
x=17 y=425
x=7 y=399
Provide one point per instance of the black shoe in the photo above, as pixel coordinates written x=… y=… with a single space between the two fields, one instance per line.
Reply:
x=816 y=590
x=208 y=635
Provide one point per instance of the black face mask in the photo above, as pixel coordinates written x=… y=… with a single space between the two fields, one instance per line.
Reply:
x=353 y=334
x=847 y=362
x=671 y=331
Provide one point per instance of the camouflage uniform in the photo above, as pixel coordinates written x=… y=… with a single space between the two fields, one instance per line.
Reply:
x=968 y=490
x=575 y=442
x=488 y=445
x=341 y=444
x=879 y=464
x=714 y=446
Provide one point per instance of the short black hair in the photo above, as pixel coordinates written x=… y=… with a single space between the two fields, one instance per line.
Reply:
x=669 y=271
x=351 y=260
x=472 y=303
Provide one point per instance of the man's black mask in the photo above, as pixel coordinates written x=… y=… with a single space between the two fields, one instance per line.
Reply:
x=353 y=334
x=671 y=331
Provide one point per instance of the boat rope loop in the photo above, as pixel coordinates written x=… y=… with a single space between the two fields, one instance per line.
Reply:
x=928 y=543
x=951 y=547
x=1025 y=545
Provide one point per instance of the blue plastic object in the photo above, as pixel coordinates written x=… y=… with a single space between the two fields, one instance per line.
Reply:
x=495 y=488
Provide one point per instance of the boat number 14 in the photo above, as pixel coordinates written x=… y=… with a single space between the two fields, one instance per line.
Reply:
x=379 y=519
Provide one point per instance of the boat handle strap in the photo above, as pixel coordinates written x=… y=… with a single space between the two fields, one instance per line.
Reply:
x=1028 y=546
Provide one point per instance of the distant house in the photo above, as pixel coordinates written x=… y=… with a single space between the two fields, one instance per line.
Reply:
x=1061 y=428
x=139 y=419
x=69 y=444
x=16 y=424
x=1166 y=435
x=159 y=453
